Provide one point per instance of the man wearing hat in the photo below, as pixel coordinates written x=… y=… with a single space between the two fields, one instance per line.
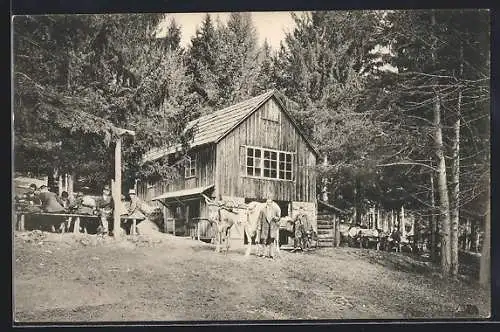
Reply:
x=268 y=226
x=105 y=206
x=134 y=209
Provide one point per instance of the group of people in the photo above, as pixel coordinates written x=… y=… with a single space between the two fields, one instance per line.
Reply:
x=38 y=200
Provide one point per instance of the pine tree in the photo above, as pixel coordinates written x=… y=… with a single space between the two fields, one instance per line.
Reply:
x=223 y=60
x=116 y=79
x=202 y=61
x=265 y=78
x=324 y=66
x=438 y=71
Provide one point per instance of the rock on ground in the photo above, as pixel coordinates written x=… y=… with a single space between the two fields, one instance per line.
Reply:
x=147 y=227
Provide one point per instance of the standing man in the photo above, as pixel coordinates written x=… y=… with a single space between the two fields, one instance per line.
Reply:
x=105 y=206
x=134 y=210
x=268 y=227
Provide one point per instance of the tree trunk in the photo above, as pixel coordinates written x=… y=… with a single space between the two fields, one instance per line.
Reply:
x=485 y=264
x=468 y=234
x=455 y=180
x=454 y=204
x=444 y=205
x=324 y=189
x=356 y=214
x=378 y=223
x=71 y=183
x=118 y=186
x=60 y=185
x=53 y=183
x=391 y=226
x=402 y=225
x=433 y=227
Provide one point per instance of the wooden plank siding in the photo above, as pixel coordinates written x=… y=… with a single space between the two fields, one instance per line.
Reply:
x=258 y=132
x=205 y=176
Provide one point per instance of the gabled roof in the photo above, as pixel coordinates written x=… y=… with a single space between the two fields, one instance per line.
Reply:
x=213 y=127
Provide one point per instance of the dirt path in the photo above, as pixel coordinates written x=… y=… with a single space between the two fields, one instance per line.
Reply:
x=75 y=278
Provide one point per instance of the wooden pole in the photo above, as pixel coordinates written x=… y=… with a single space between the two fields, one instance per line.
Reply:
x=118 y=187
x=402 y=222
x=186 y=223
x=337 y=232
x=165 y=217
x=134 y=225
x=378 y=223
x=21 y=223
x=76 y=226
x=334 y=242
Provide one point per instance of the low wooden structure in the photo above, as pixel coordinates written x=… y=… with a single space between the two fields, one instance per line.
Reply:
x=72 y=219
x=329 y=220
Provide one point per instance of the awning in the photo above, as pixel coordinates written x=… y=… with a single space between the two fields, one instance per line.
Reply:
x=182 y=193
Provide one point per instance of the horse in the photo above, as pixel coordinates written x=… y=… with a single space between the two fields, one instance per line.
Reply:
x=223 y=218
x=260 y=223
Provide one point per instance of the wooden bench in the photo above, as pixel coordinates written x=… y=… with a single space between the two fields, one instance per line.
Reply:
x=70 y=216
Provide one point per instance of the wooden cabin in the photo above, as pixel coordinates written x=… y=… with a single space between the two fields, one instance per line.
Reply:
x=245 y=152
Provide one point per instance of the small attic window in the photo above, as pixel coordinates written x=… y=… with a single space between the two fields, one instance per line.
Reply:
x=271 y=112
x=190 y=168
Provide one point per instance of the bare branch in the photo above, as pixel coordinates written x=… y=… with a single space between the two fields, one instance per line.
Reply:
x=407 y=163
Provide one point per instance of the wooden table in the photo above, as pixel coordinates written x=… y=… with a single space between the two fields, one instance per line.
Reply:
x=70 y=216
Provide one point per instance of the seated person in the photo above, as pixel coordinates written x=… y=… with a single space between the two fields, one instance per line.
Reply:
x=33 y=195
x=30 y=197
x=85 y=204
x=50 y=201
x=67 y=201
x=29 y=202
x=105 y=206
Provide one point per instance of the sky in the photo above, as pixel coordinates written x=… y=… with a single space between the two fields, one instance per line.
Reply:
x=270 y=25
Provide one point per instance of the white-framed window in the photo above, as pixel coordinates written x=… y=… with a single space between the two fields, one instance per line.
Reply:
x=269 y=164
x=190 y=168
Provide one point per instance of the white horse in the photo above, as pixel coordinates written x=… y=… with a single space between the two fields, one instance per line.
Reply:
x=253 y=216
